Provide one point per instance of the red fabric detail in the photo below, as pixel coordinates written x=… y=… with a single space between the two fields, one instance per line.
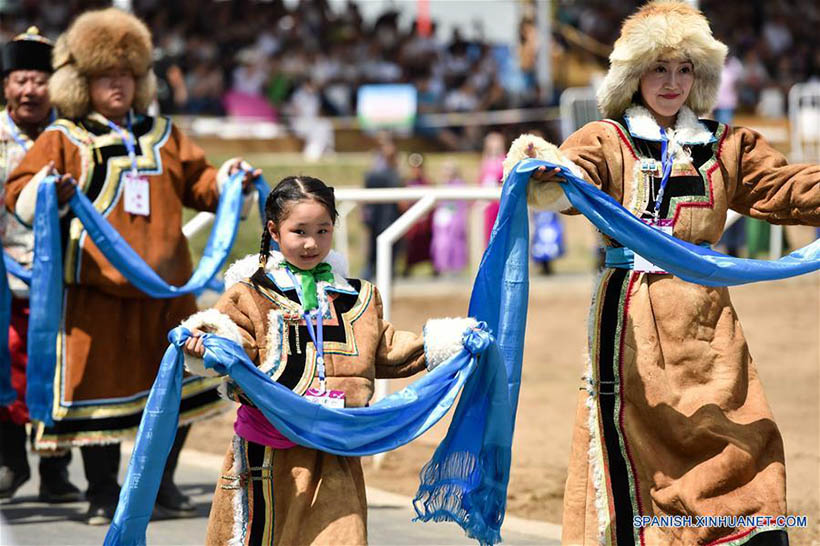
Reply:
x=730 y=538
x=17 y=412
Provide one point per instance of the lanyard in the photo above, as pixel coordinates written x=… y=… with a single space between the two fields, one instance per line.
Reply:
x=15 y=134
x=666 y=165
x=317 y=334
x=127 y=139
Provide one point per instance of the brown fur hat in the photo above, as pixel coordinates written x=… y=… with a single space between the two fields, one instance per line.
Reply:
x=671 y=29
x=96 y=41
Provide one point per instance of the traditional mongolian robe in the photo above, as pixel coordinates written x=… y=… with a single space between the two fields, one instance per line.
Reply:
x=275 y=492
x=672 y=419
x=113 y=336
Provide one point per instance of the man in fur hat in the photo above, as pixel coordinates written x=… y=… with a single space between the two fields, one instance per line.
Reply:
x=26 y=65
x=139 y=171
x=672 y=420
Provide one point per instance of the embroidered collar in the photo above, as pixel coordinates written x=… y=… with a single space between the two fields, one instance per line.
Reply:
x=688 y=129
x=100 y=119
x=247 y=266
x=283 y=281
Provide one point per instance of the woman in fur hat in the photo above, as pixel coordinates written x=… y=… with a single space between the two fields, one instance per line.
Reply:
x=139 y=171
x=672 y=419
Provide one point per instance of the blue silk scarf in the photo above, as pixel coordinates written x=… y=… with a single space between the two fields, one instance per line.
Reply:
x=388 y=424
x=8 y=265
x=46 y=296
x=690 y=262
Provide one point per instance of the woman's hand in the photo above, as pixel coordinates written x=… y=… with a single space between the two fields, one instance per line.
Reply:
x=541 y=174
x=250 y=173
x=66 y=185
x=194 y=346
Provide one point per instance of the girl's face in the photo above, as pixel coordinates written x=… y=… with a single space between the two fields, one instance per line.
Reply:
x=665 y=88
x=305 y=235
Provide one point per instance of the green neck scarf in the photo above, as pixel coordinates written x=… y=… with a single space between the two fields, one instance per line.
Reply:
x=308 y=279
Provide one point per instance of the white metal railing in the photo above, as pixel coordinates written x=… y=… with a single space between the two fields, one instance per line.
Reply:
x=578 y=106
x=804 y=121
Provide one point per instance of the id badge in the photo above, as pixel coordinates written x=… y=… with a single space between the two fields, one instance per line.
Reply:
x=137 y=194
x=641 y=264
x=329 y=398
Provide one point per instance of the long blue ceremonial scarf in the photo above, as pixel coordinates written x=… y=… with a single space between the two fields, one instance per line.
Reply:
x=14 y=268
x=391 y=422
x=690 y=262
x=46 y=294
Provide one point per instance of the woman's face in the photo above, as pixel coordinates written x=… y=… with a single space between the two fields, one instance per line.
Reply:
x=665 y=87
x=112 y=92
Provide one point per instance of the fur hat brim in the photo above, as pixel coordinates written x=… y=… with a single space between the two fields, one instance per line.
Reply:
x=668 y=28
x=97 y=41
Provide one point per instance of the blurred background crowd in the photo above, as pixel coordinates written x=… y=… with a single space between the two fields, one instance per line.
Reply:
x=300 y=66
x=275 y=59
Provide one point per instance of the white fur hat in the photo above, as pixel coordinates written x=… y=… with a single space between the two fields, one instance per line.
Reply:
x=672 y=29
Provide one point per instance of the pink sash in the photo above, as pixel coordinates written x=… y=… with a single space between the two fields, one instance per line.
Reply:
x=251 y=425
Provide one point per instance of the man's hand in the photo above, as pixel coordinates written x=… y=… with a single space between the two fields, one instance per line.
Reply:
x=66 y=185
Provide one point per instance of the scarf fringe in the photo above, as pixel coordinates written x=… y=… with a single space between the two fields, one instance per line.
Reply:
x=466 y=491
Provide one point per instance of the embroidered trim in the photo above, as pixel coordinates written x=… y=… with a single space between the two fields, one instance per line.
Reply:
x=597 y=451
x=705 y=170
x=239 y=501
x=275 y=357
x=623 y=312
x=147 y=163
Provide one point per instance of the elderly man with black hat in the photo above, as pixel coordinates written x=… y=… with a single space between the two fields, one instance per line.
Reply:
x=26 y=65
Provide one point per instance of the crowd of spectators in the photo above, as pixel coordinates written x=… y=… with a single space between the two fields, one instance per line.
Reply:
x=260 y=58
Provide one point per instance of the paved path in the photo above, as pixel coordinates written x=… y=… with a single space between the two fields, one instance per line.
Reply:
x=26 y=522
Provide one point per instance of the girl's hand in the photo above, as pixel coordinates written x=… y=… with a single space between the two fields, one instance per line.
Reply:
x=194 y=346
x=249 y=175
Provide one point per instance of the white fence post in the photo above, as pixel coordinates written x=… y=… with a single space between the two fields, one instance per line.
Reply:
x=578 y=106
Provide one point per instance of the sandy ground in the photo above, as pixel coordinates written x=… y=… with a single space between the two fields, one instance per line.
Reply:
x=780 y=319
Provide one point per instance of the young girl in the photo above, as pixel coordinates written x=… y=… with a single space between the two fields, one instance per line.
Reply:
x=272 y=491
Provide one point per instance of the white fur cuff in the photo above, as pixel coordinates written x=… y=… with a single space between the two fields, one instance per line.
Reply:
x=222 y=175
x=27 y=200
x=547 y=196
x=541 y=195
x=443 y=338
x=212 y=322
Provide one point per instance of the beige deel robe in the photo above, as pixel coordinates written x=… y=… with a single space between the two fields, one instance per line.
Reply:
x=302 y=496
x=672 y=419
